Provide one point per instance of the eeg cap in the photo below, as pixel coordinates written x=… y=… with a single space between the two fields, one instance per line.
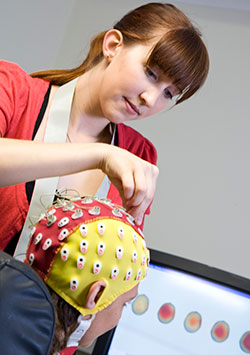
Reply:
x=76 y=243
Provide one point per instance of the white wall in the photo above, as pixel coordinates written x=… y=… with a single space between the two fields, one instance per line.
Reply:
x=202 y=206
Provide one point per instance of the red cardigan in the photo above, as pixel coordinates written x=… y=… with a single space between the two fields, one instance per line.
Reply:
x=21 y=98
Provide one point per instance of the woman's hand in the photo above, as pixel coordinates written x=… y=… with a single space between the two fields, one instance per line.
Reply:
x=134 y=178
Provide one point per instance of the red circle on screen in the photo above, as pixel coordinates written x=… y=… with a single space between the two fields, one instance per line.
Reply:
x=166 y=313
x=220 y=331
x=245 y=342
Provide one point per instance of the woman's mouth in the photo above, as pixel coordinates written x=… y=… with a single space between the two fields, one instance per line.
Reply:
x=131 y=108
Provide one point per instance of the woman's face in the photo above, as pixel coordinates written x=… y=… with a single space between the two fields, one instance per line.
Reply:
x=108 y=317
x=130 y=90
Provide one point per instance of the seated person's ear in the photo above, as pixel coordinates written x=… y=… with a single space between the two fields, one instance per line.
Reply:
x=94 y=294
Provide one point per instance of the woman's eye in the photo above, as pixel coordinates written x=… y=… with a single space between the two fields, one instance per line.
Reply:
x=150 y=73
x=168 y=94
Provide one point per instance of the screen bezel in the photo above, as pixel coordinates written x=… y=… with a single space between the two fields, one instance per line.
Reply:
x=190 y=267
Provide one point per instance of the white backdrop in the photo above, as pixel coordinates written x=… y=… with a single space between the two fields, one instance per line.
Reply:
x=202 y=205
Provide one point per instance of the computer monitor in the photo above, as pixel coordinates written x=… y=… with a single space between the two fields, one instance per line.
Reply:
x=183 y=308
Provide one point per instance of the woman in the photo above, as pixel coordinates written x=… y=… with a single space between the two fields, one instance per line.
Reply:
x=152 y=58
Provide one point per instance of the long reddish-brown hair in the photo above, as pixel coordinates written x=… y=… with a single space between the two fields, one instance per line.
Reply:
x=178 y=50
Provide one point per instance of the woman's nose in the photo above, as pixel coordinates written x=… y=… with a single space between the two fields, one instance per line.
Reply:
x=149 y=97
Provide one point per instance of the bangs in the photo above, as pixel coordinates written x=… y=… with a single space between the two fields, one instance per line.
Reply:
x=182 y=57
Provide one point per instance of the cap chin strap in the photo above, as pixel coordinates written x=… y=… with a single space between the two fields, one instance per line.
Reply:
x=82 y=328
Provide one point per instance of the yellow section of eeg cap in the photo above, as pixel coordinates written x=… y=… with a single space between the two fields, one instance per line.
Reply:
x=104 y=249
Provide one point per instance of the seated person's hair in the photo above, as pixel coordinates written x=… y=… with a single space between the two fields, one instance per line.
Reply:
x=66 y=322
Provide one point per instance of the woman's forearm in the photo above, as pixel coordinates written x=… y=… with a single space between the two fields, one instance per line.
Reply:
x=22 y=161
x=134 y=178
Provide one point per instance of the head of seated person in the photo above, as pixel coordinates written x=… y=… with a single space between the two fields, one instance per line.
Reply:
x=92 y=256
